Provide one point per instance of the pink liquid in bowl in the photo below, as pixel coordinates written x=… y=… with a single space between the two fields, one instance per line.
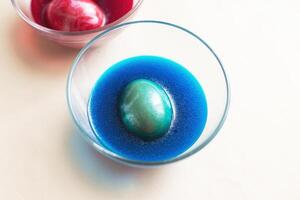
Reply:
x=67 y=18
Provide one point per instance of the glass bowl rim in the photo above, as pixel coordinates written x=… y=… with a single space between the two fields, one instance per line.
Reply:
x=116 y=157
x=41 y=28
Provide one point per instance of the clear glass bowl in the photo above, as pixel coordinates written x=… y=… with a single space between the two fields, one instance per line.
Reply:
x=70 y=39
x=149 y=38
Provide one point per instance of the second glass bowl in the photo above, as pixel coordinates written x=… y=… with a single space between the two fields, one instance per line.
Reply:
x=148 y=38
x=70 y=39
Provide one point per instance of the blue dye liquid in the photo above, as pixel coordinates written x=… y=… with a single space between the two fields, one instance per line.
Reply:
x=187 y=97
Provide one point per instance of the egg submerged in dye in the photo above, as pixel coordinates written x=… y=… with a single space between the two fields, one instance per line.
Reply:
x=146 y=109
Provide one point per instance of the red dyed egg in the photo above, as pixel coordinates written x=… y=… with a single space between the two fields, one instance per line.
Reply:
x=74 y=15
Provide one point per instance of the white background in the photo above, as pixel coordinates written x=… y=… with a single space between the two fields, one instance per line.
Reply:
x=255 y=155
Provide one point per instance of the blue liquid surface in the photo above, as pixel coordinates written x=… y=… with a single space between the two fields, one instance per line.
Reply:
x=188 y=101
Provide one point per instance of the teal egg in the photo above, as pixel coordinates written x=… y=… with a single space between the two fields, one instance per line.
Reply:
x=146 y=109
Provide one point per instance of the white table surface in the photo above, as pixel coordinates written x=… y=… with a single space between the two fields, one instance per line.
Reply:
x=255 y=155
